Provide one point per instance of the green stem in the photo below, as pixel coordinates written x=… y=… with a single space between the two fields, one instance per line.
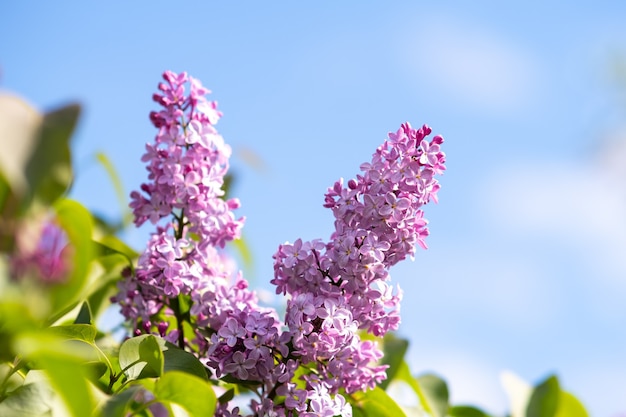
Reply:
x=112 y=380
x=174 y=303
x=181 y=225
x=15 y=366
x=115 y=377
x=175 y=306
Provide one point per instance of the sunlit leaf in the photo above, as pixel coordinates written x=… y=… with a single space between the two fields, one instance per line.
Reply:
x=430 y=389
x=9 y=204
x=15 y=317
x=105 y=273
x=141 y=357
x=109 y=244
x=374 y=403
x=36 y=346
x=64 y=365
x=544 y=400
x=84 y=332
x=5 y=191
x=20 y=124
x=30 y=400
x=19 y=131
x=117 y=186
x=570 y=406
x=435 y=391
x=394 y=350
x=404 y=374
x=77 y=223
x=191 y=393
x=70 y=380
x=244 y=251
x=49 y=170
x=9 y=378
x=466 y=411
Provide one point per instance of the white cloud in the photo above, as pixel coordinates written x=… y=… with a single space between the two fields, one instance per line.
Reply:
x=484 y=281
x=576 y=207
x=472 y=64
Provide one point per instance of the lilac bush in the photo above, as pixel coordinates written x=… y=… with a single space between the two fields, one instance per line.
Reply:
x=185 y=288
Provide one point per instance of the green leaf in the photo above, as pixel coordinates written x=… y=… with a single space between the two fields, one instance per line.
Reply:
x=570 y=406
x=20 y=124
x=191 y=393
x=375 y=403
x=227 y=396
x=9 y=379
x=96 y=369
x=19 y=127
x=104 y=273
x=106 y=163
x=404 y=374
x=35 y=162
x=466 y=411
x=15 y=318
x=77 y=223
x=66 y=365
x=544 y=400
x=244 y=251
x=5 y=191
x=9 y=203
x=435 y=392
x=30 y=400
x=118 y=404
x=141 y=357
x=85 y=332
x=84 y=315
x=228 y=184
x=394 y=350
x=49 y=170
x=109 y=244
x=56 y=342
x=177 y=359
x=68 y=377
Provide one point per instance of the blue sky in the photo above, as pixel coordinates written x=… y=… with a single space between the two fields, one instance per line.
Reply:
x=526 y=268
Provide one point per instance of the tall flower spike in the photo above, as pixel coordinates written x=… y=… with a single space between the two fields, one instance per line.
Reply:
x=186 y=166
x=378 y=222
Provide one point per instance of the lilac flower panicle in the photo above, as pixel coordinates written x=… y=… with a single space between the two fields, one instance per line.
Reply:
x=308 y=363
x=42 y=252
x=343 y=285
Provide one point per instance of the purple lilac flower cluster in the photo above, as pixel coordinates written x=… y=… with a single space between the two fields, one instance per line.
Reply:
x=338 y=287
x=305 y=365
x=186 y=165
x=42 y=252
